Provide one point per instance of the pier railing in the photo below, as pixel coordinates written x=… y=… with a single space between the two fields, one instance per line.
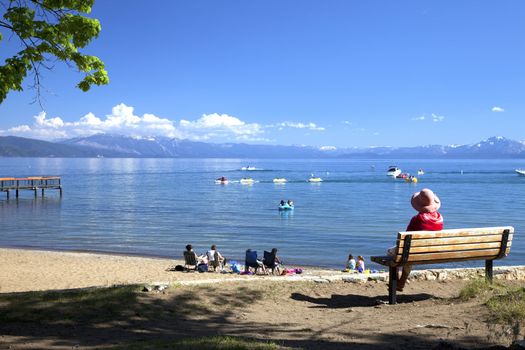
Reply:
x=33 y=183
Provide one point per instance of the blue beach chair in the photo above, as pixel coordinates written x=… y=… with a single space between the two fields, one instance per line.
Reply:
x=251 y=261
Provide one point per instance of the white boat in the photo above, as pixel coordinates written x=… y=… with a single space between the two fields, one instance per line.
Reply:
x=279 y=180
x=249 y=168
x=246 y=181
x=393 y=171
x=315 y=179
x=520 y=171
x=420 y=172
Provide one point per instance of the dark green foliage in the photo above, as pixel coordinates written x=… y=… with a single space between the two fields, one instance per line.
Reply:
x=49 y=30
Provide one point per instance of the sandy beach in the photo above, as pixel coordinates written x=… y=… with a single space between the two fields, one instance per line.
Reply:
x=320 y=309
x=37 y=270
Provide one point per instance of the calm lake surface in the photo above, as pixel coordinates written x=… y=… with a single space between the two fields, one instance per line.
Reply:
x=157 y=206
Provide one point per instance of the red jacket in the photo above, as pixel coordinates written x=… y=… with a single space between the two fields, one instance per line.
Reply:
x=426 y=222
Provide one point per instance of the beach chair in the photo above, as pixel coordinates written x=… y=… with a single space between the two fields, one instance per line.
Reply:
x=269 y=262
x=190 y=261
x=251 y=261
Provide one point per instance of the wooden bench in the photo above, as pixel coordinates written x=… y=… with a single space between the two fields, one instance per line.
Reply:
x=436 y=247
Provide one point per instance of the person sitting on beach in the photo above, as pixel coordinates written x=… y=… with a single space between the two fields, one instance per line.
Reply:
x=427 y=204
x=360 y=264
x=272 y=261
x=210 y=255
x=201 y=259
x=350 y=263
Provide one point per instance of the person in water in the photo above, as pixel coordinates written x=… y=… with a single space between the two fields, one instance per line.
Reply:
x=290 y=202
x=427 y=204
x=282 y=203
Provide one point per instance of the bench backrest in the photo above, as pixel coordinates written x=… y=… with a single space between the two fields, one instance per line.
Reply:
x=424 y=247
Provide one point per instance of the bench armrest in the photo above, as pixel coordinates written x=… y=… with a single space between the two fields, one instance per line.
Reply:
x=385 y=260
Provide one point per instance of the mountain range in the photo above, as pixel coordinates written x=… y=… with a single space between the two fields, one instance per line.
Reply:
x=105 y=145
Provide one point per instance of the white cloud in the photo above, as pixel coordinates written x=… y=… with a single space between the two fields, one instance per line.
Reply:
x=327 y=148
x=21 y=128
x=497 y=109
x=437 y=118
x=419 y=118
x=221 y=126
x=346 y=122
x=298 y=125
x=122 y=121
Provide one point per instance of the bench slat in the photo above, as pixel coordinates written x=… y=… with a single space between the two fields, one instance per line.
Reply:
x=455 y=247
x=477 y=254
x=441 y=261
x=454 y=240
x=456 y=232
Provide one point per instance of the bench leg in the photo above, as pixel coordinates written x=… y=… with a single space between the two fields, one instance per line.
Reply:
x=488 y=270
x=392 y=284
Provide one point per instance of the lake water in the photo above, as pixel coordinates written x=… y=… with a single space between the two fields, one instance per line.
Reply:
x=157 y=206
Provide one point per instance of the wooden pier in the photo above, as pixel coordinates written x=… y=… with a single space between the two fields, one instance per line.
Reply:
x=33 y=183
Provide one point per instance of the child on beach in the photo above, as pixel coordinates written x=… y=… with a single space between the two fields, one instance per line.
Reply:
x=214 y=257
x=360 y=264
x=427 y=204
x=350 y=263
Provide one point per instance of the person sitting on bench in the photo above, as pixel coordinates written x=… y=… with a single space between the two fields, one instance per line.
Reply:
x=427 y=204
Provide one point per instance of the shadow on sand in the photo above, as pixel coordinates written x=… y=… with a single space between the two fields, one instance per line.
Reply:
x=353 y=300
x=117 y=317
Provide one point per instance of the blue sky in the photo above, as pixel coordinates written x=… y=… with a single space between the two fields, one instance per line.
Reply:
x=323 y=73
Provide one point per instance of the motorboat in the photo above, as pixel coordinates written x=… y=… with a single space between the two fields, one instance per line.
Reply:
x=315 y=179
x=520 y=171
x=221 y=180
x=246 y=181
x=393 y=171
x=279 y=180
x=248 y=168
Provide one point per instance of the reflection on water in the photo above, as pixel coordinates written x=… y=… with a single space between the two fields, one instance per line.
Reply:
x=157 y=206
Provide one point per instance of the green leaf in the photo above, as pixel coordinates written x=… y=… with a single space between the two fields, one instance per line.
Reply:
x=50 y=30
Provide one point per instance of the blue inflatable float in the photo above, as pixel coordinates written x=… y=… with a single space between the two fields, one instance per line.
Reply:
x=285 y=207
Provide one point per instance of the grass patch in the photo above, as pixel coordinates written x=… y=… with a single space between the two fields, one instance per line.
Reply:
x=479 y=288
x=508 y=307
x=206 y=343
x=66 y=306
x=505 y=303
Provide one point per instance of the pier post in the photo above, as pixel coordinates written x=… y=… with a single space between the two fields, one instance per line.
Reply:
x=60 y=188
x=16 y=193
x=42 y=192
x=36 y=193
x=7 y=192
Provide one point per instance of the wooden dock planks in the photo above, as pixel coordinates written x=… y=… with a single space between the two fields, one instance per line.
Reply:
x=32 y=183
